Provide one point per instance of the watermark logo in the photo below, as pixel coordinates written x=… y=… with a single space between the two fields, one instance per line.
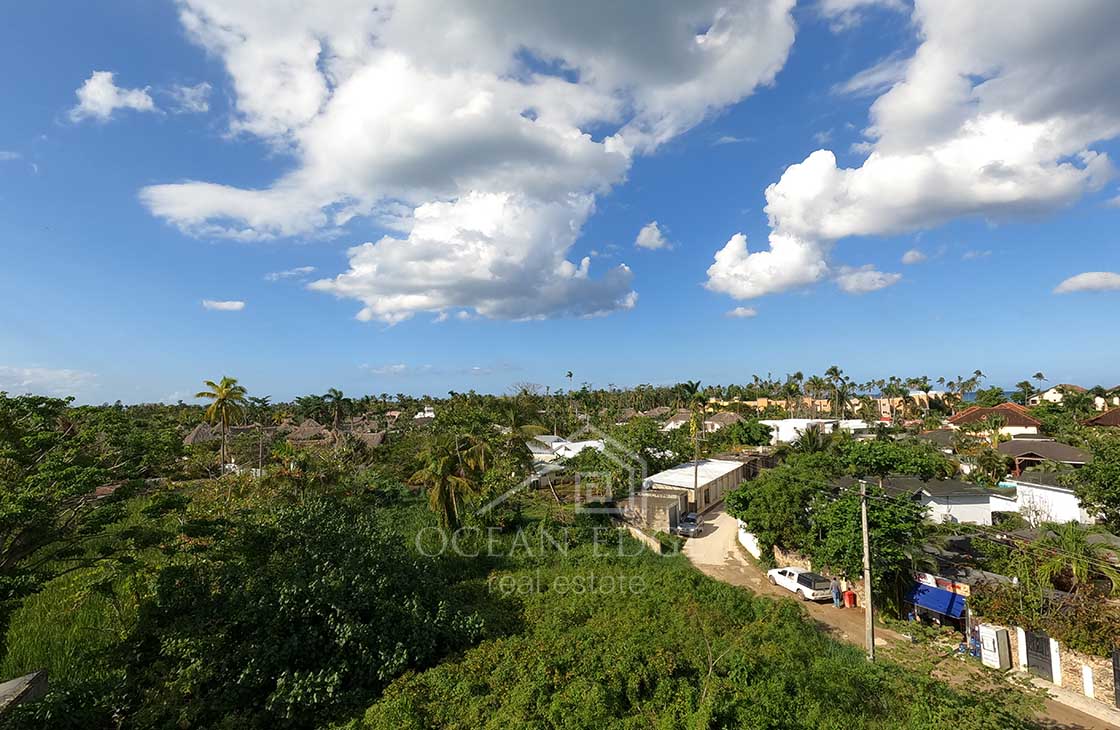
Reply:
x=593 y=490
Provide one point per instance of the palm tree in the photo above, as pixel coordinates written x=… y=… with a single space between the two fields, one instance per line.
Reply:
x=993 y=425
x=569 y=375
x=812 y=440
x=1040 y=378
x=1025 y=390
x=260 y=412
x=227 y=400
x=337 y=405
x=694 y=396
x=451 y=472
x=816 y=386
x=923 y=385
x=1076 y=402
x=1069 y=561
x=834 y=374
x=992 y=464
x=311 y=406
x=520 y=431
x=793 y=392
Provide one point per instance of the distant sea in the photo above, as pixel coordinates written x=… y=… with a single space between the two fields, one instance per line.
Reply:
x=1008 y=394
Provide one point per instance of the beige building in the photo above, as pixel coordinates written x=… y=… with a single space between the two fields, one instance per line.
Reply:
x=654 y=511
x=704 y=483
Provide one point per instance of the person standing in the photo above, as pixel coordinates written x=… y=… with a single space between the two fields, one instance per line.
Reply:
x=834 y=586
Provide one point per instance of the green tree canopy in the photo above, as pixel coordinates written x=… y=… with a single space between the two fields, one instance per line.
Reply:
x=776 y=505
x=1097 y=484
x=895 y=527
x=60 y=470
x=990 y=397
x=880 y=458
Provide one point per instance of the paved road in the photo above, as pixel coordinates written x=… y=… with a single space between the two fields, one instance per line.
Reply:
x=717 y=554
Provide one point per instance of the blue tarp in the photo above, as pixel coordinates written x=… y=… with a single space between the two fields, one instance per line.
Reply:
x=937 y=600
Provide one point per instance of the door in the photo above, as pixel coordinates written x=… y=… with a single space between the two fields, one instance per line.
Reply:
x=1039 y=662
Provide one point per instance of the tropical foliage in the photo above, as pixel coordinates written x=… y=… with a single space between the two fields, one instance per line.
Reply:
x=328 y=591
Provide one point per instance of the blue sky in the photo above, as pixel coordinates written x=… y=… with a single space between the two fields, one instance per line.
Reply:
x=110 y=248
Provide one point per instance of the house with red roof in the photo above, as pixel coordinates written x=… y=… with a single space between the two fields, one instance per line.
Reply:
x=1017 y=420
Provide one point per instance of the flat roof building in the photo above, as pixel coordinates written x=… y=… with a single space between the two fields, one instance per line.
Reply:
x=704 y=482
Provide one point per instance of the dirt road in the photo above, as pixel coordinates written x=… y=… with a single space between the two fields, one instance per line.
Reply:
x=716 y=552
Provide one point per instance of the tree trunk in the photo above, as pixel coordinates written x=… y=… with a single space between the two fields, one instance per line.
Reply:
x=225 y=430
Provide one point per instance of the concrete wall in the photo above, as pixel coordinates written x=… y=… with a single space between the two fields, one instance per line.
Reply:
x=791 y=559
x=1087 y=675
x=657 y=511
x=749 y=541
x=648 y=540
x=786 y=430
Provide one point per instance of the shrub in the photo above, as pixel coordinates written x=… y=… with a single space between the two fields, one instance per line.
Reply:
x=284 y=623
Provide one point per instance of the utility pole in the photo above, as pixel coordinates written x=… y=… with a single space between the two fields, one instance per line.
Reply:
x=868 y=614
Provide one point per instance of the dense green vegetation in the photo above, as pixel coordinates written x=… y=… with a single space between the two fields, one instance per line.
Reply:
x=807 y=505
x=329 y=590
x=686 y=652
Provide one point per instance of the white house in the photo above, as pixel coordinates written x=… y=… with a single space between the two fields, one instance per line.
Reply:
x=1039 y=498
x=947 y=500
x=677 y=420
x=568 y=449
x=787 y=430
x=1054 y=395
x=549 y=447
x=1102 y=403
x=952 y=501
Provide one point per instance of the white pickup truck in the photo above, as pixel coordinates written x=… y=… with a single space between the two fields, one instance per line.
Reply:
x=807 y=585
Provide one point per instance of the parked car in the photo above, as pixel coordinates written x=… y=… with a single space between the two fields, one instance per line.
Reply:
x=689 y=525
x=808 y=585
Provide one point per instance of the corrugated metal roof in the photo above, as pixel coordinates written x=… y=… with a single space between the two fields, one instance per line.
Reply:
x=684 y=475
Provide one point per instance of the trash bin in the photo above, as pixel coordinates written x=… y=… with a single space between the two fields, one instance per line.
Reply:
x=849 y=599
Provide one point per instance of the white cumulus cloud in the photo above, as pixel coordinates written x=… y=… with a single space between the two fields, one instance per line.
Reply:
x=864 y=279
x=455 y=134
x=297 y=272
x=500 y=254
x=790 y=262
x=99 y=97
x=651 y=237
x=913 y=256
x=218 y=305
x=1090 y=281
x=743 y=312
x=995 y=116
